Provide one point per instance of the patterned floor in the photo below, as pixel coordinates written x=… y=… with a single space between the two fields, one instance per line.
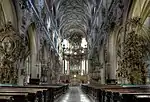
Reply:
x=75 y=95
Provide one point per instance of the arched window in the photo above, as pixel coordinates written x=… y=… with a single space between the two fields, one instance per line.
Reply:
x=2 y=18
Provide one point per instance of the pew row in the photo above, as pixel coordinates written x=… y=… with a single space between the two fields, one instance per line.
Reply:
x=116 y=93
x=32 y=93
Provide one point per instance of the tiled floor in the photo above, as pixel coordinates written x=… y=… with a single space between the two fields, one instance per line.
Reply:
x=75 y=95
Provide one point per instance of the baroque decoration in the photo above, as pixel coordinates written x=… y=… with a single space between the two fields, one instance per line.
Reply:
x=11 y=50
x=132 y=65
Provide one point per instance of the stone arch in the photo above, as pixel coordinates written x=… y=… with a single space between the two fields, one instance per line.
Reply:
x=138 y=9
x=124 y=35
x=2 y=17
x=31 y=31
x=119 y=39
x=115 y=40
x=112 y=55
x=8 y=12
x=102 y=61
x=141 y=9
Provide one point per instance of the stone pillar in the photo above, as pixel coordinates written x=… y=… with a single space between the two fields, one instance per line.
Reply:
x=33 y=55
x=103 y=69
x=21 y=75
x=68 y=69
x=66 y=66
x=34 y=69
x=85 y=67
x=112 y=60
x=49 y=77
x=81 y=68
x=63 y=68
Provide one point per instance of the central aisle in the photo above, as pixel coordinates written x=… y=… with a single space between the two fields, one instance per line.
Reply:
x=75 y=95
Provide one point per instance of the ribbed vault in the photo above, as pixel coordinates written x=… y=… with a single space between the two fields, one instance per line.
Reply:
x=73 y=17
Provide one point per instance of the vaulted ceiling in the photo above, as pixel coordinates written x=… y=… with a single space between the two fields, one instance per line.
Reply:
x=73 y=17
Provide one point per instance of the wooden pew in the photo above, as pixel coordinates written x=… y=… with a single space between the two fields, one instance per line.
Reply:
x=97 y=92
x=14 y=97
x=116 y=93
x=35 y=92
x=53 y=91
x=126 y=94
x=23 y=94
